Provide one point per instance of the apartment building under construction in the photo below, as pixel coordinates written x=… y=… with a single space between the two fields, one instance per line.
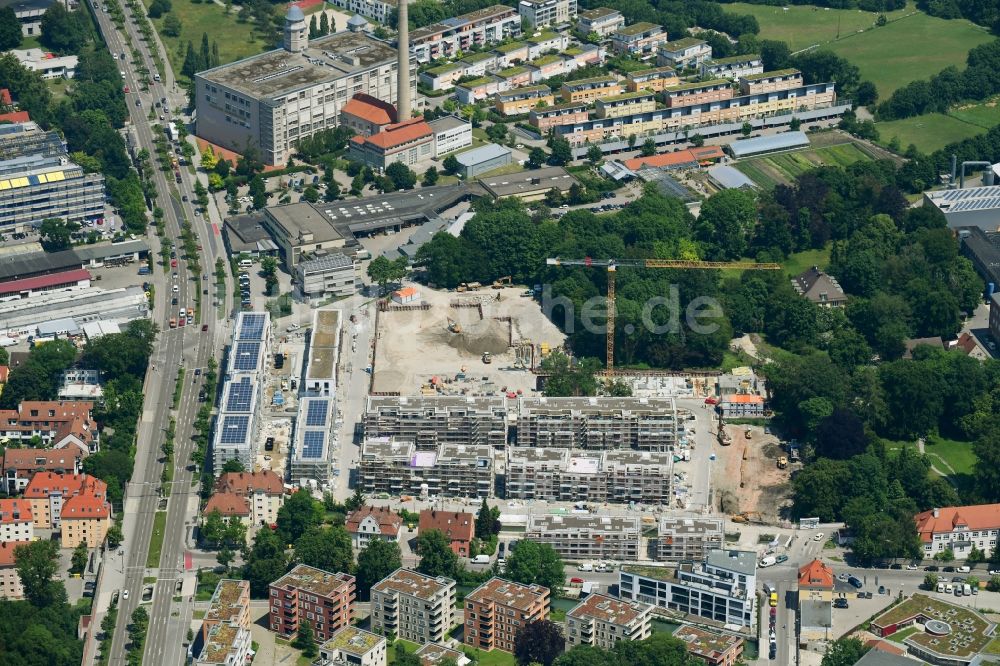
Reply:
x=587 y=537
x=643 y=424
x=398 y=467
x=430 y=421
x=682 y=539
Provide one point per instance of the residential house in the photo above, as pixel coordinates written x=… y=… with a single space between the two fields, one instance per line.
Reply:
x=652 y=79
x=230 y=604
x=306 y=593
x=48 y=492
x=226 y=644
x=602 y=21
x=959 y=528
x=602 y=621
x=911 y=344
x=19 y=465
x=60 y=424
x=470 y=92
x=547 y=66
x=640 y=40
x=734 y=67
x=354 y=646
x=368 y=523
x=264 y=492
x=590 y=90
x=543 y=13
x=522 y=100
x=783 y=79
x=443 y=77
x=820 y=288
x=684 y=53
x=587 y=537
x=379 y=10
x=482 y=27
x=367 y=115
x=681 y=539
x=699 y=92
x=557 y=114
x=497 y=610
x=15 y=521
x=625 y=104
x=969 y=345
x=432 y=654
x=229 y=506
x=742 y=405
x=413 y=606
x=10 y=581
x=815 y=601
x=85 y=519
x=458 y=528
x=407 y=142
x=713 y=648
x=512 y=77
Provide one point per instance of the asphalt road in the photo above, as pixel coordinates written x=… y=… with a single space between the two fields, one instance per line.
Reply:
x=188 y=347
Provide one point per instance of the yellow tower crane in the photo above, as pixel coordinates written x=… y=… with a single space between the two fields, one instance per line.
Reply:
x=612 y=266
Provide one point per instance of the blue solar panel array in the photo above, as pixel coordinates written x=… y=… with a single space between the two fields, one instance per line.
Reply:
x=246 y=356
x=234 y=429
x=312 y=444
x=240 y=395
x=316 y=413
x=252 y=327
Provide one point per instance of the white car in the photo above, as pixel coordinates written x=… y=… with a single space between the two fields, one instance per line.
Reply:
x=176 y=289
x=125 y=594
x=911 y=567
x=818 y=537
x=994 y=572
x=964 y=569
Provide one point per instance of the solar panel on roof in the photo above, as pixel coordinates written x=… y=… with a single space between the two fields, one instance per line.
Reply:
x=312 y=443
x=240 y=393
x=234 y=429
x=316 y=413
x=253 y=327
x=246 y=356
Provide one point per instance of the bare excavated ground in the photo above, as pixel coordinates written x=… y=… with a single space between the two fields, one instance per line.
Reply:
x=746 y=477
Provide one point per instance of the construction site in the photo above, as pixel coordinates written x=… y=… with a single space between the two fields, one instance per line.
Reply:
x=751 y=476
x=479 y=341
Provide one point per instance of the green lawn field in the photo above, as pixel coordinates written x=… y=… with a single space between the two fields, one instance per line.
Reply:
x=773 y=170
x=802 y=26
x=928 y=132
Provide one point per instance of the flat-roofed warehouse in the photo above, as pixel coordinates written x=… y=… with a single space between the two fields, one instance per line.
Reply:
x=429 y=421
x=528 y=185
x=23 y=316
x=645 y=424
x=968 y=207
x=768 y=144
x=273 y=99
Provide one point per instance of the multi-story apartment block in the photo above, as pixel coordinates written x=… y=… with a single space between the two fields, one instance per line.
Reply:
x=722 y=588
x=377 y=10
x=368 y=523
x=652 y=79
x=457 y=527
x=645 y=424
x=602 y=621
x=413 y=606
x=558 y=114
x=10 y=580
x=783 y=79
x=60 y=424
x=20 y=465
x=812 y=101
x=547 y=66
x=443 y=77
x=15 y=520
x=602 y=21
x=639 y=39
x=546 y=42
x=230 y=604
x=712 y=648
x=398 y=467
x=273 y=99
x=513 y=77
x=543 y=13
x=431 y=421
x=522 y=100
x=625 y=104
x=580 y=476
x=590 y=90
x=684 y=53
x=482 y=27
x=734 y=67
x=355 y=647
x=959 y=528
x=591 y=537
x=308 y=594
x=498 y=609
x=687 y=539
x=85 y=519
x=699 y=92
x=47 y=493
x=470 y=92
x=226 y=645
x=264 y=492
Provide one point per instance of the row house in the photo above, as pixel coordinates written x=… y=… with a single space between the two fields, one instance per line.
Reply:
x=685 y=53
x=370 y=523
x=547 y=66
x=733 y=68
x=482 y=27
x=765 y=82
x=513 y=77
x=59 y=424
x=699 y=92
x=15 y=521
x=518 y=101
x=587 y=537
x=48 y=492
x=263 y=491
x=590 y=90
x=639 y=39
x=655 y=79
x=558 y=114
x=308 y=594
x=497 y=610
x=601 y=21
x=481 y=63
x=584 y=55
x=413 y=606
x=19 y=465
x=626 y=104
x=603 y=621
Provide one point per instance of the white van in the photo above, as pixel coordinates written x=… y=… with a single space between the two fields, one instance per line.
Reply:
x=967 y=590
x=585 y=567
x=481 y=559
x=940 y=587
x=246 y=263
x=768 y=561
x=948 y=589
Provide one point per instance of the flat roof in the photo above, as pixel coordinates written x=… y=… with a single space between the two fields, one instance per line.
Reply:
x=303 y=218
x=732 y=60
x=414 y=584
x=323 y=344
x=683 y=43
x=326 y=262
x=313 y=580
x=741 y=561
x=354 y=641
x=507 y=593
x=699 y=84
x=484 y=153
x=105 y=250
x=279 y=72
x=573 y=521
x=446 y=123
x=771 y=75
x=764 y=144
x=609 y=609
x=640 y=94
x=377 y=211
x=707 y=643
x=579 y=83
x=599 y=12
x=529 y=182
x=637 y=28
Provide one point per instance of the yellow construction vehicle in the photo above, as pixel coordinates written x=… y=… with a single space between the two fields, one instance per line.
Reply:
x=505 y=281
x=748 y=517
x=487 y=358
x=782 y=462
x=454 y=326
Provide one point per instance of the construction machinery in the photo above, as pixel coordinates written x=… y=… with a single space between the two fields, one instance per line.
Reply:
x=611 y=265
x=505 y=281
x=782 y=462
x=748 y=517
x=454 y=326
x=487 y=358
x=469 y=286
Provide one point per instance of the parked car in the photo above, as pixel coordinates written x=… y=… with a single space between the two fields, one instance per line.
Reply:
x=855 y=581
x=948 y=570
x=840 y=602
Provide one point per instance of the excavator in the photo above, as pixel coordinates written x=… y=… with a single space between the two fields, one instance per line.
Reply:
x=748 y=517
x=454 y=326
x=505 y=281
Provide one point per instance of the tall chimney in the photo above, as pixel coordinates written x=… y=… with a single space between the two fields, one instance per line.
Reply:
x=403 y=66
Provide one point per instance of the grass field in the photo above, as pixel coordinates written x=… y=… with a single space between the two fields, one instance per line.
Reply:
x=933 y=131
x=236 y=40
x=156 y=540
x=950 y=456
x=782 y=168
x=800 y=261
x=912 y=46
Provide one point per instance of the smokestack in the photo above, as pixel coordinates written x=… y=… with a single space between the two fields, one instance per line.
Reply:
x=403 y=66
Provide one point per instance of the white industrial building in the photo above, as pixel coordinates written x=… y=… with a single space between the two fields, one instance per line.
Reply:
x=24 y=317
x=333 y=274
x=968 y=207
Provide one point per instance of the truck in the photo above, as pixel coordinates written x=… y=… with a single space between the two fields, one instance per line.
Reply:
x=144 y=270
x=172 y=131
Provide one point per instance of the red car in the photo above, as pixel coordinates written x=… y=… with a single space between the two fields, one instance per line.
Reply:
x=127 y=90
x=576 y=581
x=204 y=327
x=173 y=263
x=711 y=401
